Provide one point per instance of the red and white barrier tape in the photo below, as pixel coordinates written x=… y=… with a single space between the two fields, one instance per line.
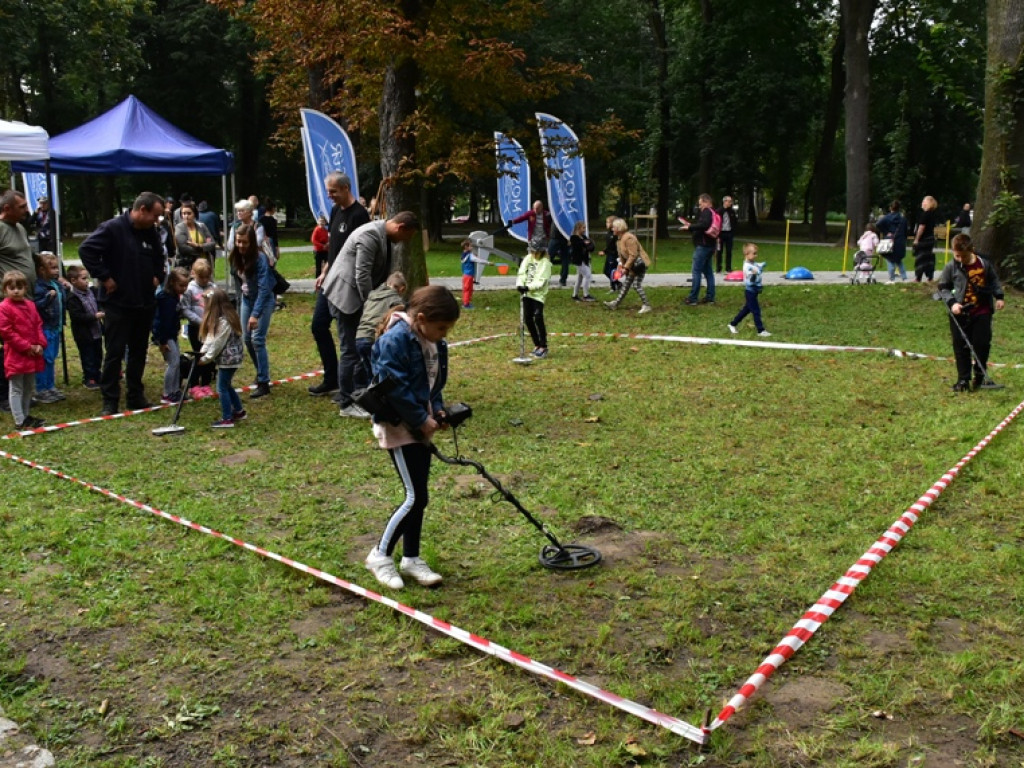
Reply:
x=482 y=644
x=160 y=407
x=836 y=595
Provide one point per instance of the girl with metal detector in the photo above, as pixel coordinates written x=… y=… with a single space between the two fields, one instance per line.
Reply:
x=971 y=290
x=413 y=356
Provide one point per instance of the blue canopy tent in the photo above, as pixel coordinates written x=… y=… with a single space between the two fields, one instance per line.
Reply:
x=132 y=138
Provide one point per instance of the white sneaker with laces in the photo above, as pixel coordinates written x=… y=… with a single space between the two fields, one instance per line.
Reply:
x=353 y=411
x=764 y=333
x=418 y=570
x=383 y=569
x=733 y=328
x=645 y=309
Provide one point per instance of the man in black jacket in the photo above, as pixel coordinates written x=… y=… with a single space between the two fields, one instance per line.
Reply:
x=126 y=257
x=725 y=237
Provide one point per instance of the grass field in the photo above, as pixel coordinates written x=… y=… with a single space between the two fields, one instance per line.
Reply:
x=727 y=487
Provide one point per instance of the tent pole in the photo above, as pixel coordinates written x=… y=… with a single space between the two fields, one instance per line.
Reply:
x=58 y=245
x=224 y=218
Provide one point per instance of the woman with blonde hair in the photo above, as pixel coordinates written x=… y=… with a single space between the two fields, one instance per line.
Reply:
x=634 y=261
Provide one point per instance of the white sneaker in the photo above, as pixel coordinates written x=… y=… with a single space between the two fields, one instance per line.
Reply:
x=418 y=570
x=733 y=328
x=645 y=309
x=383 y=569
x=764 y=333
x=353 y=411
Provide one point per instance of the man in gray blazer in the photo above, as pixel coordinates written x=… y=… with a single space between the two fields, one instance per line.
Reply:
x=363 y=264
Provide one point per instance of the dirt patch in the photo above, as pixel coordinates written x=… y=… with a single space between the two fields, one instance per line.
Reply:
x=799 y=703
x=950 y=635
x=237 y=459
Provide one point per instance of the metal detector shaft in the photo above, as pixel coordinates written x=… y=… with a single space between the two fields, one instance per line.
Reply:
x=507 y=494
x=970 y=347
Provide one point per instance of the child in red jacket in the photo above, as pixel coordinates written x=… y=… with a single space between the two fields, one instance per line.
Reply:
x=21 y=328
x=320 y=240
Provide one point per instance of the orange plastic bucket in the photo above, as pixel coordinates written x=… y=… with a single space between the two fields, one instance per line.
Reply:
x=503 y=269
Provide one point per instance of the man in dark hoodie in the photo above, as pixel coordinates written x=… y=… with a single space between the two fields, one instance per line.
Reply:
x=126 y=257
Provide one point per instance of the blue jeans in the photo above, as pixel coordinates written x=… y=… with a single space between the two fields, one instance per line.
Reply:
x=364 y=347
x=702 y=266
x=172 y=375
x=256 y=340
x=47 y=378
x=893 y=266
x=752 y=307
x=230 y=402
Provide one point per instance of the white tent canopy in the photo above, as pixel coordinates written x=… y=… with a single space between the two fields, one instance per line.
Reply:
x=23 y=142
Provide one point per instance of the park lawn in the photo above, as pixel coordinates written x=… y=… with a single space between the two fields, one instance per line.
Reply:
x=727 y=488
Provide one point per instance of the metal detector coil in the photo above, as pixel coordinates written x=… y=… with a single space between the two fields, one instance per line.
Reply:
x=556 y=556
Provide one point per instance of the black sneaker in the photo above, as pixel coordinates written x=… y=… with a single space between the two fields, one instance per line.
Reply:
x=33 y=423
x=321 y=389
x=141 y=405
x=978 y=381
x=706 y=300
x=963 y=385
x=262 y=390
x=109 y=409
x=690 y=303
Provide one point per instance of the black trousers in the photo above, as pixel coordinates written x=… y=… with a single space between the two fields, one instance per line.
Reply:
x=125 y=330
x=320 y=326
x=533 y=312
x=412 y=462
x=978 y=329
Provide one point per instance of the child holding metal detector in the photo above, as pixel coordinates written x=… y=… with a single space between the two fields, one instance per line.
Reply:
x=972 y=292
x=532 y=284
x=221 y=331
x=413 y=356
x=167 y=329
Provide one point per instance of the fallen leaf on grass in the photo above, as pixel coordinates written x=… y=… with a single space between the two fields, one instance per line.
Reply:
x=882 y=715
x=588 y=739
x=634 y=349
x=634 y=748
x=592 y=420
x=1017 y=732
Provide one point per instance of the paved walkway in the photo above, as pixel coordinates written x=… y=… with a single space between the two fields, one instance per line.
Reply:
x=670 y=280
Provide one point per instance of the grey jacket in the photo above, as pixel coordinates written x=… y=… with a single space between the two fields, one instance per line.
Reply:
x=952 y=284
x=362 y=265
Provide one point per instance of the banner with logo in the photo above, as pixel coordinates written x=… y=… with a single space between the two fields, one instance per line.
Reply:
x=35 y=187
x=513 y=183
x=326 y=148
x=565 y=172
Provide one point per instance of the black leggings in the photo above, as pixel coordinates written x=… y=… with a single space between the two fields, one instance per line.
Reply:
x=533 y=311
x=412 y=462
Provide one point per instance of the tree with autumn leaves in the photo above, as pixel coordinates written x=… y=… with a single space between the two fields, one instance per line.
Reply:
x=420 y=74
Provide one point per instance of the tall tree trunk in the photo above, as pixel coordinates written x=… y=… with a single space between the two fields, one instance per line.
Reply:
x=704 y=115
x=857 y=16
x=662 y=166
x=821 y=178
x=1002 y=158
x=397 y=156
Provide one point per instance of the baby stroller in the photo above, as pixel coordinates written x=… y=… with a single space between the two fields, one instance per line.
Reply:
x=864 y=266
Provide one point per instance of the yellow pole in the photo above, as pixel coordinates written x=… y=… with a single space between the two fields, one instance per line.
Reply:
x=785 y=260
x=846 y=248
x=946 y=259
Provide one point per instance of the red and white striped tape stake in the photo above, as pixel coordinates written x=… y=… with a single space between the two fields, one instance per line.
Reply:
x=482 y=644
x=836 y=595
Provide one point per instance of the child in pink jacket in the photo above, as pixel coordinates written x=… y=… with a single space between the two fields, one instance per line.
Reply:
x=21 y=328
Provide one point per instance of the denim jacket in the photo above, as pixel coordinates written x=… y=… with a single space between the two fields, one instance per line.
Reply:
x=51 y=308
x=398 y=354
